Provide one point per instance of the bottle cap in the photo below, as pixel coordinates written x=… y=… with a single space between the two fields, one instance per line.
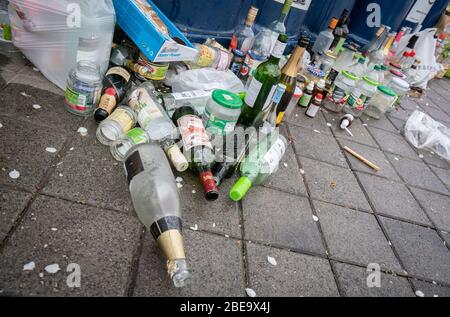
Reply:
x=321 y=84
x=333 y=23
x=387 y=91
x=252 y=14
x=209 y=186
x=240 y=189
x=413 y=41
x=395 y=65
x=110 y=91
x=227 y=99
x=303 y=41
x=319 y=97
x=310 y=86
x=370 y=81
x=178 y=159
x=298 y=92
x=345 y=124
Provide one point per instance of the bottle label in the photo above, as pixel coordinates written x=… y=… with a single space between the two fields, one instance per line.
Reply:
x=224 y=60
x=270 y=99
x=147 y=109
x=122 y=117
x=191 y=95
x=137 y=136
x=278 y=49
x=216 y=125
x=107 y=103
x=312 y=110
x=253 y=92
x=193 y=132
x=274 y=156
x=304 y=101
x=133 y=166
x=119 y=71
x=76 y=100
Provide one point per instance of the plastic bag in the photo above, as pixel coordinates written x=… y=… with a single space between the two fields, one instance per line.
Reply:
x=55 y=34
x=206 y=79
x=425 y=133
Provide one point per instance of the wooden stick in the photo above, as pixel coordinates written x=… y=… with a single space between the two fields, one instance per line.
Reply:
x=362 y=159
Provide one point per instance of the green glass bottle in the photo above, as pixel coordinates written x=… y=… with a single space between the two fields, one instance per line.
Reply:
x=262 y=162
x=263 y=85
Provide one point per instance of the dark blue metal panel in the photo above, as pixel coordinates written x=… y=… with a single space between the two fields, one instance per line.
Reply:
x=435 y=14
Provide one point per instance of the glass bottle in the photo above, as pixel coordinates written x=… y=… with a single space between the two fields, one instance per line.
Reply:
x=116 y=126
x=244 y=34
x=314 y=106
x=136 y=136
x=197 y=148
x=325 y=38
x=197 y=98
x=157 y=204
x=341 y=32
x=84 y=88
x=278 y=26
x=263 y=85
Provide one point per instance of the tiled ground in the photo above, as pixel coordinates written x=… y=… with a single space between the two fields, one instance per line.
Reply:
x=324 y=217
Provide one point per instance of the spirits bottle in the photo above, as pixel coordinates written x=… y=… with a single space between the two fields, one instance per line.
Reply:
x=278 y=27
x=341 y=32
x=325 y=38
x=288 y=77
x=157 y=124
x=261 y=163
x=263 y=85
x=244 y=34
x=155 y=198
x=197 y=148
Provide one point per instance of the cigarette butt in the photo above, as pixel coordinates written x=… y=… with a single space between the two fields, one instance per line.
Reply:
x=362 y=159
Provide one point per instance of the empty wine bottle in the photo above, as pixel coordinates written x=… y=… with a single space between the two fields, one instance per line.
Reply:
x=157 y=204
x=155 y=121
x=197 y=148
x=262 y=162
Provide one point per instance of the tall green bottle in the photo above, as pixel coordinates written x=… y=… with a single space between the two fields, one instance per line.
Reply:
x=263 y=85
x=262 y=162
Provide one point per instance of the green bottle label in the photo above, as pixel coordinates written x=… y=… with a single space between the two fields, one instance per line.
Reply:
x=76 y=100
x=304 y=101
x=137 y=136
x=218 y=126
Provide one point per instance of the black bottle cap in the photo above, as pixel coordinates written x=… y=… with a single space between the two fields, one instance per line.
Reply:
x=303 y=41
x=413 y=41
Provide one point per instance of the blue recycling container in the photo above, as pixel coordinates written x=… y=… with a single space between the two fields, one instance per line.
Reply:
x=435 y=14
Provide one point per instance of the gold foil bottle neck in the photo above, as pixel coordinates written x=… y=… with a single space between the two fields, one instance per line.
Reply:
x=172 y=245
x=251 y=17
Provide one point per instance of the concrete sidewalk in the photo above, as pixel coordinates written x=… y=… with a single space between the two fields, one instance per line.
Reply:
x=324 y=217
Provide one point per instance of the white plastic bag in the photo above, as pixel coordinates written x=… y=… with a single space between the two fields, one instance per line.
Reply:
x=55 y=34
x=207 y=79
x=425 y=133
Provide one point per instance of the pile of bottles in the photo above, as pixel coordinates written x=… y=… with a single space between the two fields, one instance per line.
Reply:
x=154 y=131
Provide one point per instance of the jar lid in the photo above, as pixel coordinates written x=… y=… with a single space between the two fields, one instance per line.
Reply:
x=331 y=55
x=397 y=73
x=238 y=53
x=349 y=75
x=401 y=83
x=387 y=91
x=395 y=65
x=370 y=81
x=227 y=99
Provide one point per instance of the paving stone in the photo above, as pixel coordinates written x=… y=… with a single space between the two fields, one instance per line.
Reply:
x=393 y=143
x=12 y=202
x=298 y=118
x=288 y=178
x=391 y=198
x=383 y=124
x=438 y=115
x=420 y=249
x=434 y=159
x=22 y=148
x=36 y=80
x=91 y=175
x=52 y=113
x=295 y=275
x=12 y=59
x=100 y=242
x=355 y=236
x=353 y=283
x=428 y=101
x=398 y=124
x=334 y=184
x=400 y=114
x=417 y=174
x=216 y=264
x=6 y=76
x=359 y=131
x=317 y=146
x=280 y=219
x=430 y=289
x=374 y=155
x=436 y=206
x=446 y=236
x=443 y=174
x=220 y=216
x=410 y=104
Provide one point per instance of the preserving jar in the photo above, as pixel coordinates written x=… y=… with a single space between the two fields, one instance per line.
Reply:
x=116 y=126
x=383 y=99
x=222 y=112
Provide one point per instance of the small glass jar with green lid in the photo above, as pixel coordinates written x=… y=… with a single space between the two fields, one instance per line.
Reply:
x=222 y=112
x=383 y=99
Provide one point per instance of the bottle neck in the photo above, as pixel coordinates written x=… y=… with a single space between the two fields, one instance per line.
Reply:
x=277 y=52
x=292 y=65
x=285 y=11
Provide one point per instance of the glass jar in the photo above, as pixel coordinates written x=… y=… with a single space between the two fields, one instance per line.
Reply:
x=359 y=100
x=328 y=60
x=345 y=59
x=383 y=99
x=344 y=84
x=134 y=137
x=84 y=88
x=400 y=86
x=222 y=112
x=116 y=126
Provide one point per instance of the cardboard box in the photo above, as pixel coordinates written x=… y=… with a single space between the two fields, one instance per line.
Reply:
x=150 y=34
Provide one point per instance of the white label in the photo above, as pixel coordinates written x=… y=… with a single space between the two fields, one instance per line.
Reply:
x=119 y=71
x=191 y=95
x=312 y=110
x=299 y=4
x=274 y=156
x=279 y=49
x=253 y=92
x=224 y=61
x=149 y=114
x=420 y=11
x=193 y=132
x=269 y=99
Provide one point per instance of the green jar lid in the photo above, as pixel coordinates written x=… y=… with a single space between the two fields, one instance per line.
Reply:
x=227 y=99
x=384 y=67
x=387 y=91
x=370 y=81
x=350 y=75
x=377 y=67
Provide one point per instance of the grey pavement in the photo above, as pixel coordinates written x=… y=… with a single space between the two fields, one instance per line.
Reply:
x=324 y=217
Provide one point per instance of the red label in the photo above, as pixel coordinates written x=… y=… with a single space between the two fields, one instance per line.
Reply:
x=208 y=182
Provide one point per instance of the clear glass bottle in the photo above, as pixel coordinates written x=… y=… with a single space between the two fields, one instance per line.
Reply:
x=278 y=26
x=244 y=34
x=116 y=126
x=157 y=204
x=136 y=136
x=198 y=98
x=84 y=88
x=325 y=38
